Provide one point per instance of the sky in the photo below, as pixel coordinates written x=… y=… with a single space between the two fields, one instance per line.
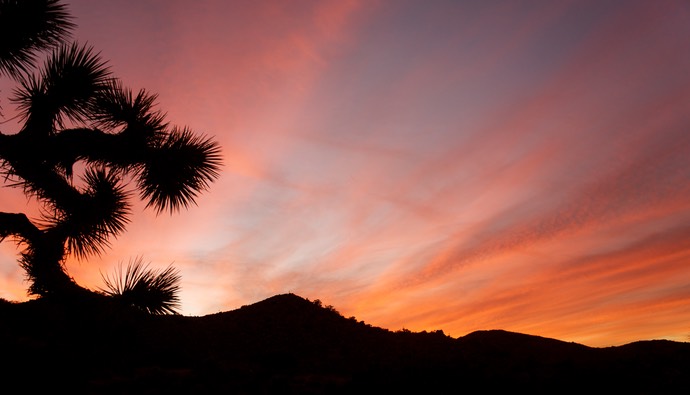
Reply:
x=454 y=165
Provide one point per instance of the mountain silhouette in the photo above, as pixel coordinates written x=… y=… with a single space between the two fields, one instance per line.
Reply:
x=288 y=344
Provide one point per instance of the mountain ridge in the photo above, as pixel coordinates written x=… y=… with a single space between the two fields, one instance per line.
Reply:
x=288 y=344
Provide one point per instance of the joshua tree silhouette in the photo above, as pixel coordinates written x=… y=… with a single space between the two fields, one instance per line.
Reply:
x=74 y=112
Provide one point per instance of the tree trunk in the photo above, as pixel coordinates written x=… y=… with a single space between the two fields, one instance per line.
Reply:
x=43 y=262
x=43 y=256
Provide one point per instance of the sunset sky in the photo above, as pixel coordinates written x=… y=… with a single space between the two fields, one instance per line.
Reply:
x=455 y=165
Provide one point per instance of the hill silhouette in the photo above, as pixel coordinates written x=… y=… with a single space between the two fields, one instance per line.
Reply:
x=288 y=344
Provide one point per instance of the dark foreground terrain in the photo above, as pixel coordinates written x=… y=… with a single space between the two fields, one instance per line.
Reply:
x=287 y=344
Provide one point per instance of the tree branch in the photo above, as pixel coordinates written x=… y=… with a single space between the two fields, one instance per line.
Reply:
x=19 y=225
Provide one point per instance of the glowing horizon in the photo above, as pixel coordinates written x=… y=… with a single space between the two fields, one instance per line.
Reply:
x=451 y=165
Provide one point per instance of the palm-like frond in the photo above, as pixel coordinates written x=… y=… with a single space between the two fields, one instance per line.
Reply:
x=103 y=212
x=69 y=81
x=116 y=107
x=28 y=26
x=149 y=290
x=31 y=98
x=177 y=168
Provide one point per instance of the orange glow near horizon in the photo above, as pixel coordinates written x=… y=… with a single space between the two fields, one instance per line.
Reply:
x=447 y=165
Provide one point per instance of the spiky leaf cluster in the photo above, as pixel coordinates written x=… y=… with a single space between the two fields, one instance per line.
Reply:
x=104 y=213
x=64 y=90
x=27 y=27
x=150 y=290
x=116 y=108
x=180 y=165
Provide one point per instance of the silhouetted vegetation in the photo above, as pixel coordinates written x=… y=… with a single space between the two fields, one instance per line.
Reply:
x=78 y=118
x=146 y=289
x=286 y=344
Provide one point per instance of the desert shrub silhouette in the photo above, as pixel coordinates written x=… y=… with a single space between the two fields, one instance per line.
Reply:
x=74 y=112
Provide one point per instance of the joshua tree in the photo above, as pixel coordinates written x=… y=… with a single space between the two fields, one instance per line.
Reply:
x=75 y=114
